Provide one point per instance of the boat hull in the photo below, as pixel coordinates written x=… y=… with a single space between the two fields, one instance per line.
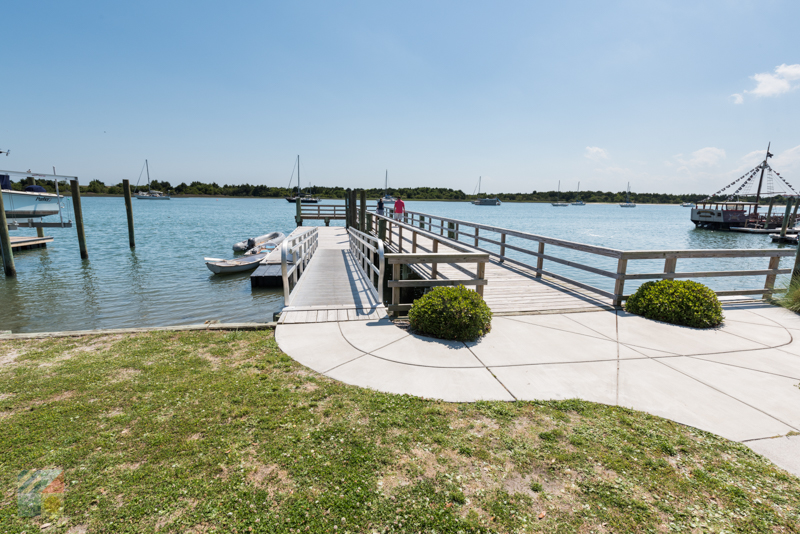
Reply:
x=29 y=205
x=154 y=197
x=235 y=266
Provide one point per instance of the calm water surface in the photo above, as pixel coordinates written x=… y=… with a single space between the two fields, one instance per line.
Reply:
x=165 y=281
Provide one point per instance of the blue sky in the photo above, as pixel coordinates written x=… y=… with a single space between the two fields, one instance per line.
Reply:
x=671 y=96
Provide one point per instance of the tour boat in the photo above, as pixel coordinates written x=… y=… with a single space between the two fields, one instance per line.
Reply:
x=578 y=201
x=304 y=199
x=558 y=202
x=743 y=215
x=627 y=203
x=151 y=195
x=32 y=203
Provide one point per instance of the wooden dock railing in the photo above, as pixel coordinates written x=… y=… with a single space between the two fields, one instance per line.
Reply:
x=296 y=252
x=461 y=254
x=369 y=252
x=482 y=234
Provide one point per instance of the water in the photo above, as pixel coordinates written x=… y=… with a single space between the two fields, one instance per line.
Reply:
x=165 y=281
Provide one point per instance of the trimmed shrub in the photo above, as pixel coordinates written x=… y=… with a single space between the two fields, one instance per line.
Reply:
x=680 y=302
x=454 y=313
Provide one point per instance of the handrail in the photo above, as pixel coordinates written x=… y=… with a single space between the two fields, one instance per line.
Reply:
x=670 y=257
x=360 y=242
x=301 y=247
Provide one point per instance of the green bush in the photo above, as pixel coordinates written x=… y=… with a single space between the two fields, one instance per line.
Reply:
x=455 y=313
x=791 y=299
x=680 y=302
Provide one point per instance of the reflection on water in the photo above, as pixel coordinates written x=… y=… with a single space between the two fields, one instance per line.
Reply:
x=164 y=281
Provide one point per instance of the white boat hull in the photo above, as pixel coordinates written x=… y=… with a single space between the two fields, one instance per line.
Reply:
x=274 y=237
x=29 y=205
x=153 y=197
x=235 y=266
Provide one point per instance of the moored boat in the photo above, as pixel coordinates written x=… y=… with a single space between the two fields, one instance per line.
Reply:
x=34 y=202
x=627 y=203
x=558 y=203
x=151 y=195
x=485 y=201
x=273 y=238
x=246 y=263
x=304 y=199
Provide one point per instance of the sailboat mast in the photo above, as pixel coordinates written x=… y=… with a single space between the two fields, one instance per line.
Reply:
x=761 y=178
x=386 y=184
x=148 y=176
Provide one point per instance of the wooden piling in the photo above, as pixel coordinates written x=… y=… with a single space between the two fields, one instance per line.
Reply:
x=450 y=232
x=769 y=212
x=126 y=191
x=382 y=229
x=786 y=216
x=793 y=221
x=39 y=231
x=298 y=216
x=5 y=243
x=362 y=214
x=76 y=205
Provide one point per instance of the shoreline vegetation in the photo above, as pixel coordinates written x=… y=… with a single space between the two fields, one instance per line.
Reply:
x=213 y=190
x=220 y=431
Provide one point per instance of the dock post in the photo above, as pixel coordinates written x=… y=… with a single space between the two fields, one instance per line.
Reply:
x=5 y=241
x=76 y=205
x=369 y=223
x=422 y=222
x=619 y=285
x=786 y=216
x=126 y=190
x=362 y=216
x=39 y=231
x=382 y=229
x=450 y=232
x=794 y=213
x=298 y=217
x=769 y=213
x=347 y=207
x=354 y=209
x=502 y=247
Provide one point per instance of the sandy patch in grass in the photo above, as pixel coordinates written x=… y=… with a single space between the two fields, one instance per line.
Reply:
x=195 y=437
x=78 y=529
x=9 y=357
x=269 y=477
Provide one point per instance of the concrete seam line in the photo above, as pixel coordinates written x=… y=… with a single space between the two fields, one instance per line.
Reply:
x=747 y=368
x=339 y=324
x=785 y=436
x=603 y=338
x=108 y=331
x=616 y=327
x=343 y=363
x=724 y=393
x=490 y=371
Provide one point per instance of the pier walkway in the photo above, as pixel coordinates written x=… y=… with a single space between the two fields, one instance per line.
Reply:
x=332 y=287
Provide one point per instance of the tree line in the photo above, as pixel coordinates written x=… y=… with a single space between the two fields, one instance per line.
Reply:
x=410 y=193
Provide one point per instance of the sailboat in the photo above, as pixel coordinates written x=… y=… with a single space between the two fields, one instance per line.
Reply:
x=628 y=203
x=151 y=195
x=558 y=202
x=387 y=198
x=578 y=201
x=485 y=201
x=304 y=199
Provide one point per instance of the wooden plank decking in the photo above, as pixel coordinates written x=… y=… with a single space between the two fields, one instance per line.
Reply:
x=511 y=289
x=28 y=242
x=332 y=287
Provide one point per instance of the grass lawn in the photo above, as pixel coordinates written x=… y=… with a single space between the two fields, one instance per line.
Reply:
x=222 y=432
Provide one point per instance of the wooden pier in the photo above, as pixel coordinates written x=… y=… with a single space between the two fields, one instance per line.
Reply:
x=335 y=273
x=29 y=242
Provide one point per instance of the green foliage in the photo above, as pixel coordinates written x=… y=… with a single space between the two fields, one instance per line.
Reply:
x=680 y=302
x=536 y=487
x=791 y=299
x=454 y=313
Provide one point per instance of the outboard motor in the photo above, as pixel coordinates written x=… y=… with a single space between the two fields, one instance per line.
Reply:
x=251 y=243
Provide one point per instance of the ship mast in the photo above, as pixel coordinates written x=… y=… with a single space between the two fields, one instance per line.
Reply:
x=761 y=178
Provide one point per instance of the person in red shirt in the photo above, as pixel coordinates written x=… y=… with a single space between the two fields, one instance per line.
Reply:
x=399 y=209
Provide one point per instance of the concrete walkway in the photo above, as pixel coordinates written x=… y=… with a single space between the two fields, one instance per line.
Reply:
x=739 y=381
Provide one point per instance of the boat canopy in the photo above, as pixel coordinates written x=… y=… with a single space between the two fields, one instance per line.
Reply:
x=35 y=189
x=5 y=181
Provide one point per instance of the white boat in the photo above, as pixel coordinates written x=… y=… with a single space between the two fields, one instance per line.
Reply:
x=485 y=201
x=687 y=204
x=32 y=203
x=245 y=263
x=388 y=200
x=628 y=203
x=304 y=199
x=558 y=202
x=578 y=201
x=151 y=195
x=274 y=238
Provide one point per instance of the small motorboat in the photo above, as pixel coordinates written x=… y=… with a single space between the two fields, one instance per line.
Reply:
x=246 y=263
x=274 y=238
